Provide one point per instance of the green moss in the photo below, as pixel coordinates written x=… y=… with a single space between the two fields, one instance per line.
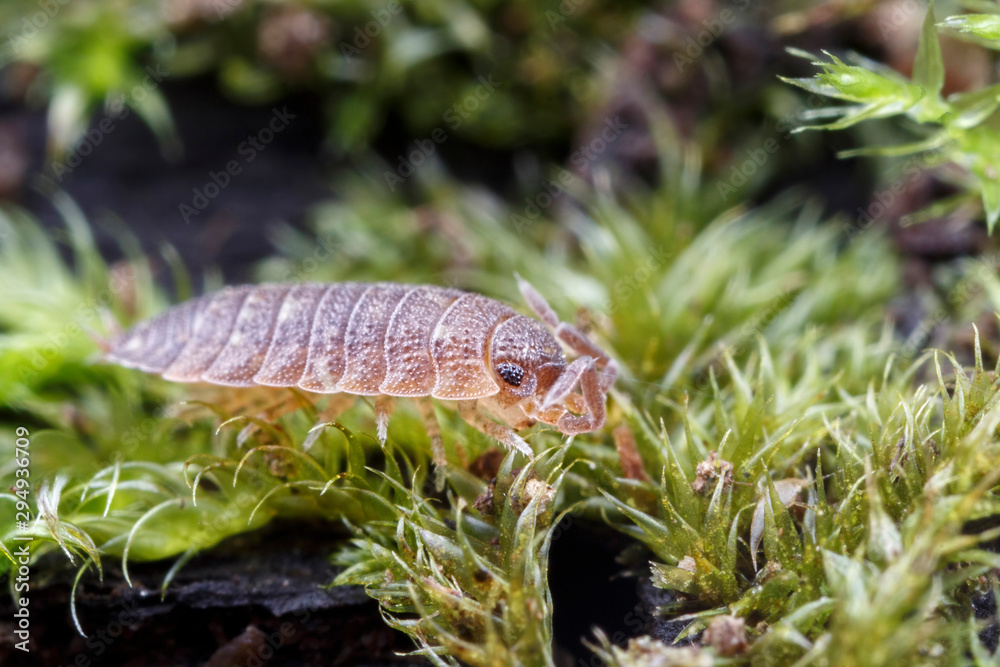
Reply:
x=960 y=129
x=832 y=511
x=371 y=60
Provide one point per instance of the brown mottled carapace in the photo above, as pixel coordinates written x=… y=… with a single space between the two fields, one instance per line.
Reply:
x=380 y=339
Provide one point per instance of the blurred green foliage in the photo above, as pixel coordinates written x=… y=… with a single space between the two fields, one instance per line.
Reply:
x=961 y=128
x=372 y=61
x=769 y=352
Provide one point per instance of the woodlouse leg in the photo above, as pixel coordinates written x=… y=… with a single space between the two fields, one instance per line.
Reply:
x=533 y=409
x=593 y=398
x=281 y=404
x=264 y=403
x=563 y=386
x=433 y=427
x=569 y=334
x=537 y=302
x=481 y=423
x=575 y=403
x=383 y=410
x=336 y=406
x=580 y=344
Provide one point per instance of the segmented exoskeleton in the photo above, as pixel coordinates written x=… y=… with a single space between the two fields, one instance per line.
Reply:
x=384 y=340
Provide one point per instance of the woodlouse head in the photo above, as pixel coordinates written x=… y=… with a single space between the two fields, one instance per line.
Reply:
x=525 y=359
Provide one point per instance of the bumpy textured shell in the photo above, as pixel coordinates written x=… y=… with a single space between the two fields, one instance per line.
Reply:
x=358 y=338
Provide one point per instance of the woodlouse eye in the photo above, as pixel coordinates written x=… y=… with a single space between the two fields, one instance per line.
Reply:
x=512 y=374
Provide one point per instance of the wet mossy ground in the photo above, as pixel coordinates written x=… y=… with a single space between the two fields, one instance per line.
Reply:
x=803 y=443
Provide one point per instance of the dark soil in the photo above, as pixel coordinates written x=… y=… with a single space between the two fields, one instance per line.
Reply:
x=126 y=178
x=126 y=181
x=254 y=599
x=262 y=598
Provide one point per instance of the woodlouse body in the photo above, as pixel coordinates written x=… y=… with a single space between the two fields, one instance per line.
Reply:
x=378 y=339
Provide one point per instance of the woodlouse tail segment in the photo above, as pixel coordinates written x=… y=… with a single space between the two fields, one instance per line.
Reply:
x=105 y=342
x=209 y=336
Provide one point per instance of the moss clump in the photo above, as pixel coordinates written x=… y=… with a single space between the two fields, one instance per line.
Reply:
x=958 y=129
x=781 y=465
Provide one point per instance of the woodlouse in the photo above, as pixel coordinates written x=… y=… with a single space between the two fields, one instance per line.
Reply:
x=384 y=340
